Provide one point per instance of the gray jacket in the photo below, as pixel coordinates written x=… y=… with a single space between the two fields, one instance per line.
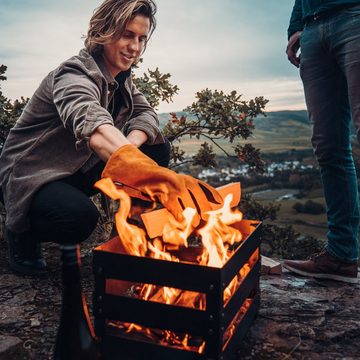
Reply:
x=50 y=139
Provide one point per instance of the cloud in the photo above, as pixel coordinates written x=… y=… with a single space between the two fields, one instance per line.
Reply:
x=38 y=35
x=225 y=45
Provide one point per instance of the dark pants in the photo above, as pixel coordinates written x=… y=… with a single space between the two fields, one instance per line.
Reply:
x=330 y=71
x=62 y=211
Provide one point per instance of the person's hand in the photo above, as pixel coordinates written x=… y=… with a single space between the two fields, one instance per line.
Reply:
x=129 y=166
x=293 y=47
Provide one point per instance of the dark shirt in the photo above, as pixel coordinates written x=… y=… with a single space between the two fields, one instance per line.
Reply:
x=117 y=100
x=304 y=10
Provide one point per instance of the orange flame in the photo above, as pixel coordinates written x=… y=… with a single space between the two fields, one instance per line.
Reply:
x=137 y=245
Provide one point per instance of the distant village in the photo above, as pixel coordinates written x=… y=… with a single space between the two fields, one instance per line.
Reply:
x=229 y=174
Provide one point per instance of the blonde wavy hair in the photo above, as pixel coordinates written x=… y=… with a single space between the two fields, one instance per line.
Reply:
x=110 y=19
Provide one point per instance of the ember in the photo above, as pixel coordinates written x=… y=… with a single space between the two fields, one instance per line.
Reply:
x=189 y=290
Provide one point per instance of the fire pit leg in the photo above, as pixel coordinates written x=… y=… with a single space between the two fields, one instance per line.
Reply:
x=214 y=301
x=99 y=291
x=75 y=337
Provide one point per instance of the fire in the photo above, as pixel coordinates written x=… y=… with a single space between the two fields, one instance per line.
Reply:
x=138 y=244
x=217 y=235
x=232 y=327
x=218 y=241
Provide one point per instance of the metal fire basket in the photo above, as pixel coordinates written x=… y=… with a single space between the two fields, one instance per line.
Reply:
x=211 y=324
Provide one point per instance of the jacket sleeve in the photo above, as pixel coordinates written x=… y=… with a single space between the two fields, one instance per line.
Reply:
x=143 y=117
x=77 y=99
x=296 y=19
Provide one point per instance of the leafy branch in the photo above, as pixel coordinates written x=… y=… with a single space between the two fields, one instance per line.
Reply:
x=217 y=116
x=156 y=87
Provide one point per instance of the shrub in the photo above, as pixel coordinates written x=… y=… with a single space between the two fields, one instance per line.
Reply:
x=310 y=207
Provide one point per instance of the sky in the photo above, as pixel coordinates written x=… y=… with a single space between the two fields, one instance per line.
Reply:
x=225 y=45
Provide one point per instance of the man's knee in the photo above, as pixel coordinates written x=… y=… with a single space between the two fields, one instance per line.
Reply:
x=328 y=154
x=82 y=224
x=67 y=226
x=61 y=213
x=324 y=154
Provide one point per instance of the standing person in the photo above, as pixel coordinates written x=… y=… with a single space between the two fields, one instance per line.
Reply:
x=85 y=114
x=328 y=35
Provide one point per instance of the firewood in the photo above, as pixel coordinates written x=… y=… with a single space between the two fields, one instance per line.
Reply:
x=154 y=221
x=231 y=188
x=270 y=266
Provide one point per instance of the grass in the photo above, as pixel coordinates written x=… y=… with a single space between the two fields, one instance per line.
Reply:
x=305 y=224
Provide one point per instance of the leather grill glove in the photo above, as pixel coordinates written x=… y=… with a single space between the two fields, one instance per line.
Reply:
x=203 y=194
x=129 y=166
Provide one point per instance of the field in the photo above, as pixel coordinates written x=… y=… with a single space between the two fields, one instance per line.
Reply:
x=305 y=224
x=279 y=132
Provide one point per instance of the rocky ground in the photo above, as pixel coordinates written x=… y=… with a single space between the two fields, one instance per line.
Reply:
x=305 y=319
x=299 y=318
x=30 y=306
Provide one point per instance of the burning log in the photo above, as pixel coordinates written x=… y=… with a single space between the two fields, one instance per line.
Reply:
x=155 y=221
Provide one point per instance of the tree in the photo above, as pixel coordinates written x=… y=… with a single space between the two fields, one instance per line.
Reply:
x=214 y=116
x=9 y=112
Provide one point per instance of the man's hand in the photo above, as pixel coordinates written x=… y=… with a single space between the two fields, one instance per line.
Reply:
x=293 y=48
x=129 y=166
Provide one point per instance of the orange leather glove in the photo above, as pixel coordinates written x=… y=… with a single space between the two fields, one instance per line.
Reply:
x=129 y=166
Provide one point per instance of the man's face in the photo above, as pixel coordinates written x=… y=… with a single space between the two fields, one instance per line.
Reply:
x=122 y=53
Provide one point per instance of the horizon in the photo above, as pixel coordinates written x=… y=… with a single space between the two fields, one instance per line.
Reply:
x=266 y=111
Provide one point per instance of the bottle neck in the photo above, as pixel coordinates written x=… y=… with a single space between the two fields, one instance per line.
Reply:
x=73 y=297
x=70 y=256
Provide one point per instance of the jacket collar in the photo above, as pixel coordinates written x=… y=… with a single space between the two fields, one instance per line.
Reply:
x=111 y=81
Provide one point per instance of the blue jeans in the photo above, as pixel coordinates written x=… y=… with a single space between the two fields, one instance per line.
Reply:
x=330 y=71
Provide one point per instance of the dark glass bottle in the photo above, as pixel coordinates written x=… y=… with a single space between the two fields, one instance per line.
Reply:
x=75 y=337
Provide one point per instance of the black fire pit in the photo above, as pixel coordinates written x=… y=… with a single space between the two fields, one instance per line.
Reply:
x=214 y=333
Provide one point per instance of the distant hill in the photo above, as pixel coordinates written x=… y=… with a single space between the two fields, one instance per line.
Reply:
x=278 y=131
x=282 y=118
x=295 y=115
x=282 y=130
